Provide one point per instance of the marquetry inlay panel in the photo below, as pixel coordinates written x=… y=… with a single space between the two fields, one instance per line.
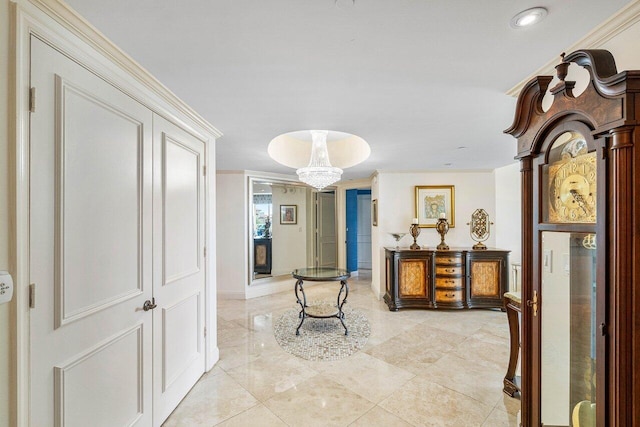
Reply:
x=261 y=255
x=485 y=277
x=412 y=278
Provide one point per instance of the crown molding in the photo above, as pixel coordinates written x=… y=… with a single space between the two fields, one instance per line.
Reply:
x=81 y=28
x=616 y=24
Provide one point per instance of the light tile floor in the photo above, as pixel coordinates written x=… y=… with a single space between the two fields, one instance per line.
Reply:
x=419 y=368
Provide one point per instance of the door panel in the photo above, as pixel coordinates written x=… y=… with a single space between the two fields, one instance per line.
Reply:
x=181 y=209
x=364 y=231
x=90 y=248
x=179 y=279
x=119 y=406
x=352 y=229
x=327 y=238
x=98 y=176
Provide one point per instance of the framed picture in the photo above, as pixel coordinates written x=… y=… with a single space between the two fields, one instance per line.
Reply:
x=434 y=202
x=288 y=214
x=374 y=212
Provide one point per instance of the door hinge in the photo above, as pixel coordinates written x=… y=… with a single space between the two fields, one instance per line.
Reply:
x=205 y=331
x=204 y=170
x=32 y=295
x=32 y=100
x=205 y=251
x=534 y=303
x=603 y=329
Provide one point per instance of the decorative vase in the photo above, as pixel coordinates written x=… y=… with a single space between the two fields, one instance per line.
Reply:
x=415 y=232
x=442 y=227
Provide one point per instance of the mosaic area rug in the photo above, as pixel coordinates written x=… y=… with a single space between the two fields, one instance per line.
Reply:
x=322 y=339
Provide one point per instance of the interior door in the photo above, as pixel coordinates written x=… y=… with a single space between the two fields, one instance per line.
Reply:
x=179 y=274
x=90 y=249
x=326 y=225
x=352 y=229
x=364 y=229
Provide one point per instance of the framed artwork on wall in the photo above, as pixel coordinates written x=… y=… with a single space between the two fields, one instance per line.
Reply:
x=288 y=214
x=374 y=212
x=434 y=202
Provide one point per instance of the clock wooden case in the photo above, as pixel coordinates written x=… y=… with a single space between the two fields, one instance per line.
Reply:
x=580 y=175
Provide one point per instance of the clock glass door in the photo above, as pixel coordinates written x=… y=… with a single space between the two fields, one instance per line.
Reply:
x=568 y=316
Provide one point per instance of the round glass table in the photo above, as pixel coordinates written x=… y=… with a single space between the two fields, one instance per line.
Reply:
x=321 y=311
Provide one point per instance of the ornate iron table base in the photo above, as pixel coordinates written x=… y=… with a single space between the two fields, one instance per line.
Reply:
x=321 y=311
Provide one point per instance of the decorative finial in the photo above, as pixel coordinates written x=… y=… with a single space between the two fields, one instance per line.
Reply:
x=562 y=68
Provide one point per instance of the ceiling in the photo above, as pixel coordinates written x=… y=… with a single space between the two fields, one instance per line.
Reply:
x=424 y=82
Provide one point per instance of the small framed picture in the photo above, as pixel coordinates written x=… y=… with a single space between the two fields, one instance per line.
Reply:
x=434 y=202
x=374 y=212
x=288 y=214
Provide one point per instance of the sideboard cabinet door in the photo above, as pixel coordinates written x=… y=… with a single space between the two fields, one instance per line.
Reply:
x=408 y=279
x=413 y=278
x=487 y=276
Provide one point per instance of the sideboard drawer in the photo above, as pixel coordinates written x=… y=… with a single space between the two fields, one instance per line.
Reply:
x=448 y=270
x=449 y=296
x=449 y=282
x=449 y=260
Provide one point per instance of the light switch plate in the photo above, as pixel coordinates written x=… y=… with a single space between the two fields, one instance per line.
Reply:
x=547 y=260
x=6 y=287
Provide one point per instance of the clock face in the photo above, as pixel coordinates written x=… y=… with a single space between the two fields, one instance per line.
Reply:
x=572 y=190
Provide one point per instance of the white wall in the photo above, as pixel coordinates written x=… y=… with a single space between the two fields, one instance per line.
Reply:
x=289 y=241
x=508 y=219
x=396 y=207
x=232 y=231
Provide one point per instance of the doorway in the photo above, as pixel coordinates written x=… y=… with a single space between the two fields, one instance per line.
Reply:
x=358 y=232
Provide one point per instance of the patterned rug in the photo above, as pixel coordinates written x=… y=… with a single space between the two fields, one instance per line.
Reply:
x=322 y=339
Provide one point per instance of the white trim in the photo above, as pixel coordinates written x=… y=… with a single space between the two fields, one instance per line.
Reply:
x=227 y=295
x=604 y=32
x=58 y=25
x=284 y=284
x=21 y=220
x=212 y=353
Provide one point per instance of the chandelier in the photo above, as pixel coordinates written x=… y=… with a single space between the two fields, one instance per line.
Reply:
x=319 y=173
x=312 y=148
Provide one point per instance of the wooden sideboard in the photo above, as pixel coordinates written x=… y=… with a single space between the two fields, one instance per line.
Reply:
x=456 y=278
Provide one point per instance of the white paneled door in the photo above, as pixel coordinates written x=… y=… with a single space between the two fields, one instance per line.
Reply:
x=116 y=217
x=178 y=322
x=326 y=239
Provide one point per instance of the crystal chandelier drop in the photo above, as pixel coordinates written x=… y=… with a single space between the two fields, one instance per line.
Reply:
x=319 y=173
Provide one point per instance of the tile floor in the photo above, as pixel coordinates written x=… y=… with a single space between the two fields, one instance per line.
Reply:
x=419 y=368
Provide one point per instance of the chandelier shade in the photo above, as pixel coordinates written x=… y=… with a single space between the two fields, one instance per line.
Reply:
x=325 y=156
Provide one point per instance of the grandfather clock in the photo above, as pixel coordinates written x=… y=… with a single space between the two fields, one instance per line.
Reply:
x=580 y=169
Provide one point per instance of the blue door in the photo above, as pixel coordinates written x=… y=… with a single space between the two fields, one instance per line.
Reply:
x=352 y=230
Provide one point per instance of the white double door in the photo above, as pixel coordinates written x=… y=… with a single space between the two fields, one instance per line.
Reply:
x=116 y=220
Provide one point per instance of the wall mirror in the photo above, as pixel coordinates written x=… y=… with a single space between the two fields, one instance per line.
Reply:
x=290 y=226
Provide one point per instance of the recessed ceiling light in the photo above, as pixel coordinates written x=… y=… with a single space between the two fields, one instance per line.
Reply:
x=528 y=17
x=345 y=4
x=448 y=164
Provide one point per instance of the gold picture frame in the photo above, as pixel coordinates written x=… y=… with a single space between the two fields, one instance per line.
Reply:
x=288 y=214
x=432 y=201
